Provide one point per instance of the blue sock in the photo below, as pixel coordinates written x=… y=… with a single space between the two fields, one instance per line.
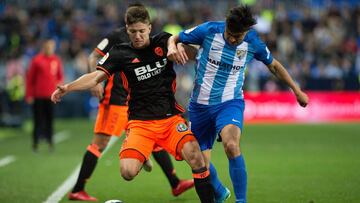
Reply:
x=215 y=182
x=238 y=177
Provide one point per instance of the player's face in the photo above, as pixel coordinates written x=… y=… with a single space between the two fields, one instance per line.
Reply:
x=139 y=34
x=234 y=38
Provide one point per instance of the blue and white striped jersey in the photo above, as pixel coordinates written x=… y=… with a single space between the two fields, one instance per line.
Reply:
x=221 y=67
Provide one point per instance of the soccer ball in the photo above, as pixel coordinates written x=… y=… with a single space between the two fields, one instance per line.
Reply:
x=114 y=201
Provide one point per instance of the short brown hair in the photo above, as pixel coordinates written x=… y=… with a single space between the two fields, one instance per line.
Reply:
x=137 y=13
x=240 y=19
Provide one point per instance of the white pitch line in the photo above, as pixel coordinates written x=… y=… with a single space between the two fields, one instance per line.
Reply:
x=61 y=136
x=60 y=192
x=7 y=160
x=112 y=141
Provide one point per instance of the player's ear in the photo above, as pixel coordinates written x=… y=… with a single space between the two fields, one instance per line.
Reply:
x=127 y=28
x=149 y=27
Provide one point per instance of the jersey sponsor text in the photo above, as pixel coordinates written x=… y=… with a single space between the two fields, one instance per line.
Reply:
x=147 y=71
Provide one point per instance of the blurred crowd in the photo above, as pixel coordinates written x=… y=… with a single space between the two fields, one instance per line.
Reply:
x=317 y=40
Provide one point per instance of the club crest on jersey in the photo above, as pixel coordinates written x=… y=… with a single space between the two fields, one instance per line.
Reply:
x=181 y=127
x=158 y=51
x=240 y=53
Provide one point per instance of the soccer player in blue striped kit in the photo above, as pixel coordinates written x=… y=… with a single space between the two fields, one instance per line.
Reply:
x=217 y=101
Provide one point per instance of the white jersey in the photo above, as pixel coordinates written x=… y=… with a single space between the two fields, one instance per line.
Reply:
x=220 y=69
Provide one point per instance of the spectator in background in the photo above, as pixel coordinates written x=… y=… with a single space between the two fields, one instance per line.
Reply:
x=44 y=74
x=15 y=87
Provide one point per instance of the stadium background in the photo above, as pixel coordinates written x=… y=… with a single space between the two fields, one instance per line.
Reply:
x=318 y=41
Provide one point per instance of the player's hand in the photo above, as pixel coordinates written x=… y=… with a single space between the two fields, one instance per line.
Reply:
x=182 y=52
x=302 y=98
x=60 y=91
x=175 y=55
x=97 y=91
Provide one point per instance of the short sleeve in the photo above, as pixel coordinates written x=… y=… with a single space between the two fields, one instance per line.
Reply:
x=161 y=38
x=195 y=35
x=115 y=37
x=110 y=63
x=262 y=53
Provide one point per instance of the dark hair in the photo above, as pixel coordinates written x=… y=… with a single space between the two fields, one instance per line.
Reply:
x=136 y=13
x=240 y=19
x=136 y=4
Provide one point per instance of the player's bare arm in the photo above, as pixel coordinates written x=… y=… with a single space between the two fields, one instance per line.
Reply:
x=98 y=90
x=174 y=54
x=280 y=72
x=190 y=50
x=84 y=82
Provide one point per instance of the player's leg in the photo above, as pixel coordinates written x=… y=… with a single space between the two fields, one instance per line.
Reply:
x=88 y=165
x=230 y=125
x=163 y=159
x=221 y=192
x=203 y=127
x=136 y=148
x=192 y=155
x=182 y=144
x=231 y=139
x=91 y=156
x=111 y=120
x=130 y=167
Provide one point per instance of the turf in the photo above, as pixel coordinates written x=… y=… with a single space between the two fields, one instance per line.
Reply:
x=285 y=163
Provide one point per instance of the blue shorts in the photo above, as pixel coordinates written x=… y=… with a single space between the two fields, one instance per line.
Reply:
x=207 y=121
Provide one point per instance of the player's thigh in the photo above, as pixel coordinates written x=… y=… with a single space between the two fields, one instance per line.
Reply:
x=111 y=120
x=139 y=142
x=230 y=118
x=203 y=127
x=178 y=133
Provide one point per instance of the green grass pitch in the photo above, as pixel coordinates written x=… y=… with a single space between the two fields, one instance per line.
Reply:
x=302 y=163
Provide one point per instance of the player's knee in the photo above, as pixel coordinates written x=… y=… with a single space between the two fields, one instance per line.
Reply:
x=129 y=166
x=128 y=173
x=127 y=176
x=232 y=149
x=101 y=140
x=193 y=155
x=231 y=131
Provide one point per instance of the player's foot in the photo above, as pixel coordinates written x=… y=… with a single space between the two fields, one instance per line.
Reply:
x=148 y=165
x=182 y=187
x=81 y=196
x=224 y=196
